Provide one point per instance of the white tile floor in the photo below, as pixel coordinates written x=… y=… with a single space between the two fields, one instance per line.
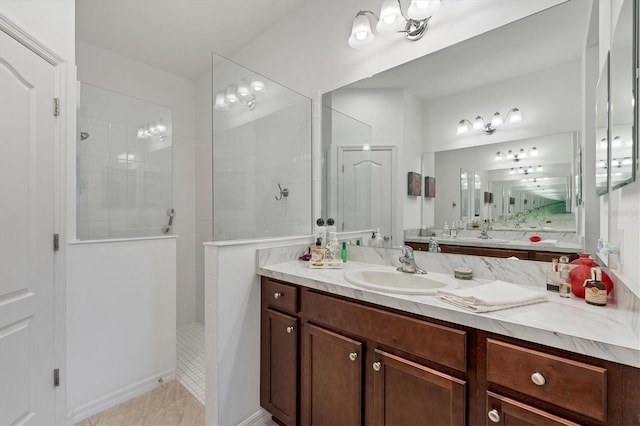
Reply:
x=190 y=358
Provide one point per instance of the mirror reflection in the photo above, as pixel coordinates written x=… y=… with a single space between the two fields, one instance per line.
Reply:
x=602 y=131
x=622 y=99
x=417 y=108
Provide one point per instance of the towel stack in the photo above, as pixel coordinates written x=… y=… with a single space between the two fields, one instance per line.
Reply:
x=492 y=297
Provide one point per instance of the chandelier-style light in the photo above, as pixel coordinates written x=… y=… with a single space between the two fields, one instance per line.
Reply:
x=513 y=116
x=393 y=21
x=244 y=93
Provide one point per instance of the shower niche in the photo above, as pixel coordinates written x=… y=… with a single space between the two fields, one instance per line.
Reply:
x=124 y=158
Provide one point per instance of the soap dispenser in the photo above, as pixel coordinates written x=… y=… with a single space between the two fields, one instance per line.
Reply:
x=379 y=239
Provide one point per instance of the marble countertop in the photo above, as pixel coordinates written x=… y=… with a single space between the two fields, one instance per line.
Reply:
x=569 y=324
x=559 y=246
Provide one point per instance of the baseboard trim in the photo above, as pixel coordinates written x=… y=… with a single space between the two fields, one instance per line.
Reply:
x=260 y=417
x=119 y=396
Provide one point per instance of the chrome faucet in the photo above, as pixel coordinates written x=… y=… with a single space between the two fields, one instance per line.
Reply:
x=408 y=263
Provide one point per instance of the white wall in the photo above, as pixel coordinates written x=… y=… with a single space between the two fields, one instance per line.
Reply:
x=120 y=321
x=105 y=69
x=51 y=22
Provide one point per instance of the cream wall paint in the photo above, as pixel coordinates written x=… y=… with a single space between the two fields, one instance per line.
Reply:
x=108 y=70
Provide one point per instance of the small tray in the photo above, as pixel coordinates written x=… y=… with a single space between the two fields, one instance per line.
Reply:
x=326 y=264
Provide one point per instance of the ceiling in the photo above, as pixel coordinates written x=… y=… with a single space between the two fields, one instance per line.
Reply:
x=551 y=37
x=177 y=36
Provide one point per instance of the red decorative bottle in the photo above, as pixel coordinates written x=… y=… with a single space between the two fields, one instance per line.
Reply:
x=582 y=272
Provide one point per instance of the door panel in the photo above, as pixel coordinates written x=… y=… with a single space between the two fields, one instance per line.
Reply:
x=26 y=254
x=332 y=378
x=365 y=194
x=406 y=393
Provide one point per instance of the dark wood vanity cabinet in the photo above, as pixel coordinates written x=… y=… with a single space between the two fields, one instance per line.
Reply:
x=533 y=254
x=329 y=360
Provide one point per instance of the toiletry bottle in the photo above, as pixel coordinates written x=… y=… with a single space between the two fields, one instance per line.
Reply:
x=379 y=239
x=553 y=276
x=321 y=232
x=565 y=281
x=344 y=252
x=372 y=241
x=453 y=232
x=318 y=252
x=446 y=232
x=333 y=247
x=595 y=292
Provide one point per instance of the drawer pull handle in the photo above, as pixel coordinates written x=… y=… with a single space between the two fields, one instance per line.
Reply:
x=290 y=329
x=277 y=295
x=376 y=366
x=538 y=379
x=494 y=416
x=353 y=356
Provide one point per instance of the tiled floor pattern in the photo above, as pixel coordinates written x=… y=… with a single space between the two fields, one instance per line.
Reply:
x=168 y=404
x=190 y=358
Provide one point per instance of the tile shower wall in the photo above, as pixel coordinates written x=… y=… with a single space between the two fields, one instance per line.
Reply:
x=275 y=150
x=124 y=181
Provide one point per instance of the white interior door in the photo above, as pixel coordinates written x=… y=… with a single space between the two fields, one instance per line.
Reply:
x=27 y=126
x=365 y=197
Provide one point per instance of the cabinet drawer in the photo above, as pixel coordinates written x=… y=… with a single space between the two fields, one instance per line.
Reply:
x=280 y=295
x=506 y=411
x=443 y=345
x=570 y=384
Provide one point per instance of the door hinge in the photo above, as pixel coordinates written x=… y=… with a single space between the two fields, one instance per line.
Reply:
x=56 y=242
x=56 y=377
x=56 y=107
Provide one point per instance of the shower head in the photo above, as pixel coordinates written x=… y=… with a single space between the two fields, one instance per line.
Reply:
x=84 y=135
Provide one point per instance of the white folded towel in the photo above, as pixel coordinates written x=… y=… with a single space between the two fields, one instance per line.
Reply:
x=492 y=297
x=548 y=243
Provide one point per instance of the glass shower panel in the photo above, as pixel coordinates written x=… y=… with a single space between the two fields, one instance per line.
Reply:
x=261 y=156
x=124 y=166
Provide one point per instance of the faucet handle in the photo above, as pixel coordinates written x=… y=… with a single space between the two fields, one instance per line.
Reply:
x=407 y=251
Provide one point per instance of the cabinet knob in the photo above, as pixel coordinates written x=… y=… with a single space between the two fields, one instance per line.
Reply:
x=290 y=329
x=494 y=416
x=377 y=366
x=277 y=295
x=353 y=356
x=538 y=379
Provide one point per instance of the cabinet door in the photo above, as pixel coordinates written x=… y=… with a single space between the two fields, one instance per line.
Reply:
x=508 y=412
x=406 y=393
x=332 y=378
x=279 y=365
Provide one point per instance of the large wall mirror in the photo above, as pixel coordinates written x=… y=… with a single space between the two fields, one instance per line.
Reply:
x=603 y=145
x=622 y=160
x=415 y=108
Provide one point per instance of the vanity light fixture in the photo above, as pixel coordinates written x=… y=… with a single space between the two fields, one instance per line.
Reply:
x=518 y=155
x=244 y=93
x=392 y=20
x=154 y=128
x=514 y=115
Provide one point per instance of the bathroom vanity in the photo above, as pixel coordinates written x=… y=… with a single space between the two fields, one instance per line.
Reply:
x=334 y=354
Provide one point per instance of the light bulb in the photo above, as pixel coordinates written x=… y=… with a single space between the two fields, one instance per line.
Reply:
x=463 y=127
x=478 y=123
x=361 y=35
x=243 y=89
x=617 y=142
x=498 y=156
x=515 y=116
x=422 y=9
x=509 y=155
x=390 y=18
x=522 y=154
x=140 y=134
x=533 y=151
x=257 y=85
x=221 y=101
x=231 y=95
x=497 y=120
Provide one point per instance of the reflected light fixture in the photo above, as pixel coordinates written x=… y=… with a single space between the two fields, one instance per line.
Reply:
x=153 y=129
x=244 y=93
x=393 y=21
x=513 y=116
x=518 y=155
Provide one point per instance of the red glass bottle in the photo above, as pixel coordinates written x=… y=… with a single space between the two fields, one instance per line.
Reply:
x=582 y=272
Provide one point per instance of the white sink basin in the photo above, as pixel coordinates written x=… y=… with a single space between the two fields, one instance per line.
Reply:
x=388 y=279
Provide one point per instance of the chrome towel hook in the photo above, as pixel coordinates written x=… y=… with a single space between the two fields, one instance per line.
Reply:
x=284 y=192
